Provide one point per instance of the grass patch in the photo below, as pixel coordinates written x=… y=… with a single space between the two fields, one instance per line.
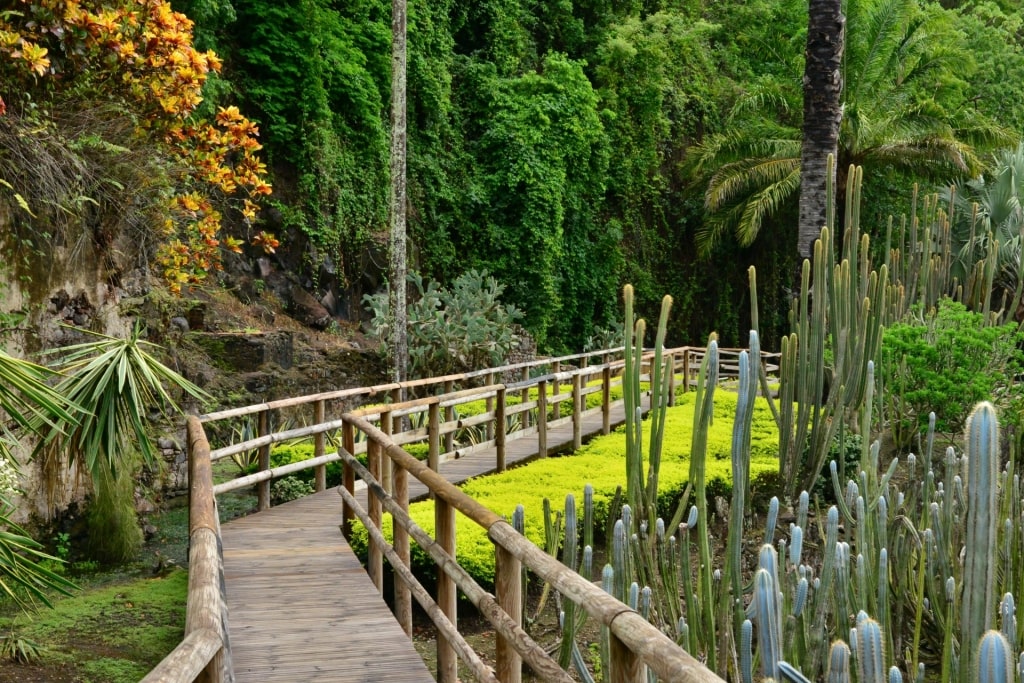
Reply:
x=112 y=634
x=600 y=463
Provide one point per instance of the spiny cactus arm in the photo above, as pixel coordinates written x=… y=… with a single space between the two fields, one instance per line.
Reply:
x=660 y=375
x=764 y=607
x=740 y=468
x=838 y=663
x=704 y=404
x=608 y=581
x=823 y=590
x=746 y=653
x=1008 y=618
x=994 y=659
x=870 y=655
x=977 y=606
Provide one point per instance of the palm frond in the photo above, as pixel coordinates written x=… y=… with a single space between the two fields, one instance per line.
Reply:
x=764 y=203
x=742 y=178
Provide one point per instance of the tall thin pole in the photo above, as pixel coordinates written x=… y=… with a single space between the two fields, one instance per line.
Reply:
x=397 y=261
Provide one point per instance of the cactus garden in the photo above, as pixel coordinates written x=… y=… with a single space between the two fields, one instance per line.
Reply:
x=891 y=549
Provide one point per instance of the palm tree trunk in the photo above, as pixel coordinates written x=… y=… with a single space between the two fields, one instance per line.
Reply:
x=397 y=262
x=823 y=88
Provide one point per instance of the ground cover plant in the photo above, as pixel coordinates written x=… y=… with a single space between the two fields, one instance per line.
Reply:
x=113 y=634
x=599 y=463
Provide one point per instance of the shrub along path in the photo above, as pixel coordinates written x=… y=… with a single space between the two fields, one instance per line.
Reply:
x=517 y=452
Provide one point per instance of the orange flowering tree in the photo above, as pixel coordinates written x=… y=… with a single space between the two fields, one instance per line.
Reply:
x=139 y=53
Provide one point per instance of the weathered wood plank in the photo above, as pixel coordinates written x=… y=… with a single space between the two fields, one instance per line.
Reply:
x=302 y=608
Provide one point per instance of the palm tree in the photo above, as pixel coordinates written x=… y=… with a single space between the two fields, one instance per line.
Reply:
x=988 y=211
x=823 y=114
x=899 y=56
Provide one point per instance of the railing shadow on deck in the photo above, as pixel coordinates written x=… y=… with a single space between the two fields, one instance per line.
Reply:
x=204 y=654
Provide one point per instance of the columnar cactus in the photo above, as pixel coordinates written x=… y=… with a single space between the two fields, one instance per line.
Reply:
x=978 y=601
x=994 y=660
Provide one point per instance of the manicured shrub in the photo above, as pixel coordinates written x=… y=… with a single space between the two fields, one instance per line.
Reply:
x=600 y=463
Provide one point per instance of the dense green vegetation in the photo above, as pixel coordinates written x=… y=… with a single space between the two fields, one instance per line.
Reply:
x=600 y=463
x=567 y=148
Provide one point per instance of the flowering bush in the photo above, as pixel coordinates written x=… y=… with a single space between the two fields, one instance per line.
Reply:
x=139 y=55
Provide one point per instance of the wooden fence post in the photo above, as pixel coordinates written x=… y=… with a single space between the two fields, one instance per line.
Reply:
x=542 y=419
x=263 y=488
x=671 y=360
x=449 y=415
x=686 y=370
x=489 y=404
x=606 y=399
x=626 y=667
x=387 y=425
x=525 y=397
x=434 y=437
x=348 y=475
x=556 y=389
x=444 y=525
x=403 y=595
x=319 y=445
x=509 y=588
x=375 y=559
x=500 y=430
x=577 y=412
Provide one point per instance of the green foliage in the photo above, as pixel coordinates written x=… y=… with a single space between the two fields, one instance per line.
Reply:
x=115 y=536
x=33 y=406
x=543 y=157
x=451 y=330
x=113 y=385
x=114 y=634
x=317 y=76
x=289 y=488
x=947 y=362
x=600 y=463
x=987 y=212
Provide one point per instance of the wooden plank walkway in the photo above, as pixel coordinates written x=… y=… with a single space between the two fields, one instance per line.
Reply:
x=302 y=608
x=300 y=605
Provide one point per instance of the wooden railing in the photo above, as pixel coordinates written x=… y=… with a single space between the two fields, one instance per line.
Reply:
x=204 y=653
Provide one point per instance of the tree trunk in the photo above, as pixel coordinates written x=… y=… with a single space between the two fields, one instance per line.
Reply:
x=397 y=262
x=823 y=89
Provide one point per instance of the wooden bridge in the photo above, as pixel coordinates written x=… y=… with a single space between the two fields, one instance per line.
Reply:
x=280 y=596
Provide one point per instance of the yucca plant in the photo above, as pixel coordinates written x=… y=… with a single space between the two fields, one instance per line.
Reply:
x=113 y=385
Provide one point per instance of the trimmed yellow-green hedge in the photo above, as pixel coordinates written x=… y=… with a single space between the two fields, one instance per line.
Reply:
x=600 y=463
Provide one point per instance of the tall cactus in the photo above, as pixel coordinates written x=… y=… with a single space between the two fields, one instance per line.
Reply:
x=851 y=304
x=978 y=602
x=994 y=659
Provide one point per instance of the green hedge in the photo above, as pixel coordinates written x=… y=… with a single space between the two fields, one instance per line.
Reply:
x=600 y=463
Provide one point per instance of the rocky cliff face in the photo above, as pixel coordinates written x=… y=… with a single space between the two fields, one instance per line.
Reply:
x=239 y=352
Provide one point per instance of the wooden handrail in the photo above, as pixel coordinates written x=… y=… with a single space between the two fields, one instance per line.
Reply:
x=635 y=634
x=204 y=653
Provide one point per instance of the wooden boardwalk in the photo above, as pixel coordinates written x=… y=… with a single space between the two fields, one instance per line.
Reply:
x=300 y=605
